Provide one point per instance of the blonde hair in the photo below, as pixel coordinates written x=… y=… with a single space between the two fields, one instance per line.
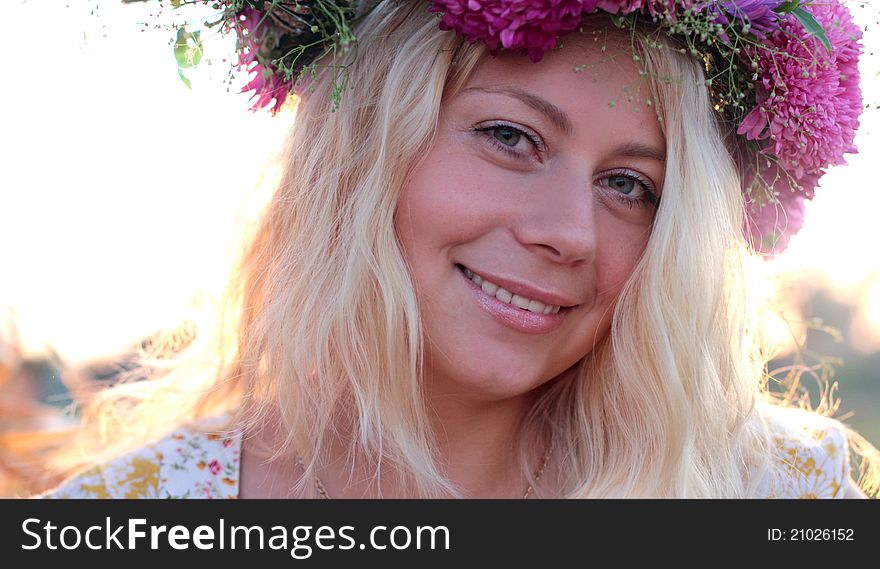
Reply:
x=321 y=322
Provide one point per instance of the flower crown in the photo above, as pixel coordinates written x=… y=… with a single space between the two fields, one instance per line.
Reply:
x=783 y=74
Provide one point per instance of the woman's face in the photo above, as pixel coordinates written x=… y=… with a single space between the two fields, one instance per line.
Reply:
x=529 y=213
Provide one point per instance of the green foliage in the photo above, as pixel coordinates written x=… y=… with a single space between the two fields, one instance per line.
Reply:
x=812 y=26
x=187 y=52
x=787 y=7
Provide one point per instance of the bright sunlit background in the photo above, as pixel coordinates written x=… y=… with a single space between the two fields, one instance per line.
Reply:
x=120 y=189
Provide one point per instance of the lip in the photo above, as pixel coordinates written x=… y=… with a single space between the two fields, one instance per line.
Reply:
x=513 y=316
x=527 y=291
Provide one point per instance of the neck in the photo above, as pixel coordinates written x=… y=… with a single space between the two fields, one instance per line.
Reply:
x=476 y=443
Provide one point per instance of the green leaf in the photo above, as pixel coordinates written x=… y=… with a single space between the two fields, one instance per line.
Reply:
x=188 y=48
x=180 y=47
x=787 y=6
x=812 y=26
x=196 y=51
x=184 y=79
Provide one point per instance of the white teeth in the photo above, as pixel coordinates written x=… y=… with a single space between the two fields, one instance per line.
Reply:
x=503 y=295
x=536 y=306
x=490 y=288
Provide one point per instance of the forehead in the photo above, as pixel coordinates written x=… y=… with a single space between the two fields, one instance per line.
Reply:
x=592 y=77
x=581 y=56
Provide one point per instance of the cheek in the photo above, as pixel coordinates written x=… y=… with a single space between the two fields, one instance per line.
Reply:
x=619 y=251
x=443 y=203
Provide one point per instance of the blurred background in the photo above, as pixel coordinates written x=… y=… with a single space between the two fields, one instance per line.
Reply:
x=123 y=191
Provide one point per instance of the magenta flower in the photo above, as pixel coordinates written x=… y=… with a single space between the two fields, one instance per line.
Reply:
x=255 y=36
x=809 y=100
x=772 y=222
x=529 y=26
x=808 y=109
x=630 y=6
x=267 y=85
x=250 y=34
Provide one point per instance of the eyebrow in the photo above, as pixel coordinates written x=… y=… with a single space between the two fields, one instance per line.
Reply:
x=558 y=117
x=639 y=150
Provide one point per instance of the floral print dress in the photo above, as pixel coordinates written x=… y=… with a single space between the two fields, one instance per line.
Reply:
x=196 y=462
x=190 y=462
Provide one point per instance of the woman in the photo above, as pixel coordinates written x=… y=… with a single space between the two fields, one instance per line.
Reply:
x=490 y=273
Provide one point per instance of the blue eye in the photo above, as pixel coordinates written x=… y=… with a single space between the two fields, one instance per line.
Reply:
x=506 y=135
x=507 y=138
x=623 y=184
x=629 y=188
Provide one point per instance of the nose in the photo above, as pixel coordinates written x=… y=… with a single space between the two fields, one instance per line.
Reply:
x=559 y=223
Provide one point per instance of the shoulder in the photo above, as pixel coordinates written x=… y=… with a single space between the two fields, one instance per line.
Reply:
x=197 y=460
x=200 y=461
x=133 y=475
x=810 y=456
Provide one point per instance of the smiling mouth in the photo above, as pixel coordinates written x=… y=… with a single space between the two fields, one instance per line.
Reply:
x=500 y=293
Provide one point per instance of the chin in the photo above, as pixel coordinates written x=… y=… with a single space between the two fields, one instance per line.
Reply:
x=495 y=380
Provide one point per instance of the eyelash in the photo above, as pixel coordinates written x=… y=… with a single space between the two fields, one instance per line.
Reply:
x=649 y=195
x=532 y=138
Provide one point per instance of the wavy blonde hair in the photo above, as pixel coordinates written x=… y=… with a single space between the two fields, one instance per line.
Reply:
x=320 y=322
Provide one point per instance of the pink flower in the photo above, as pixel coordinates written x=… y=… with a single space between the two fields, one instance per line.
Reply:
x=808 y=110
x=214 y=467
x=249 y=32
x=267 y=86
x=771 y=222
x=255 y=36
x=628 y=6
x=809 y=100
x=531 y=26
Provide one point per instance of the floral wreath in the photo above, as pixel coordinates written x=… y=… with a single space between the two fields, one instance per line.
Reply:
x=782 y=73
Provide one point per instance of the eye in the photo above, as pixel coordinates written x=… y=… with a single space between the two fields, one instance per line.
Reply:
x=507 y=135
x=512 y=140
x=623 y=184
x=629 y=188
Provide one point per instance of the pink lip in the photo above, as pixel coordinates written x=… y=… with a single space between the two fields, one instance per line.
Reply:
x=513 y=316
x=527 y=291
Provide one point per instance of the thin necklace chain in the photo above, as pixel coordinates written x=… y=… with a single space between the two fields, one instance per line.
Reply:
x=322 y=490
x=538 y=474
